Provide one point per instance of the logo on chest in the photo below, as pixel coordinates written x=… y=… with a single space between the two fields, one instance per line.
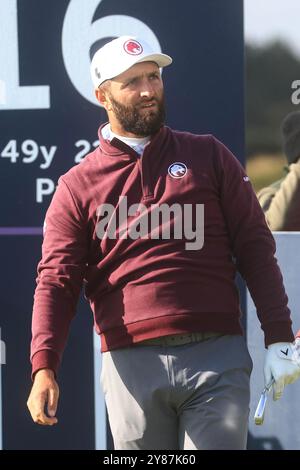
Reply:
x=177 y=170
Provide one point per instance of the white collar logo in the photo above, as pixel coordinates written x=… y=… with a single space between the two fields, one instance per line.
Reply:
x=177 y=170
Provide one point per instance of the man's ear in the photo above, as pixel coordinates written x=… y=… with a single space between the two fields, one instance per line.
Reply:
x=100 y=96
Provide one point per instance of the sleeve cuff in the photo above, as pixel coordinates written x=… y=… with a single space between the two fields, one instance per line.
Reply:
x=279 y=332
x=44 y=359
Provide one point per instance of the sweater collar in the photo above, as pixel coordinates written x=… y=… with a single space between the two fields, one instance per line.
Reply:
x=137 y=143
x=116 y=147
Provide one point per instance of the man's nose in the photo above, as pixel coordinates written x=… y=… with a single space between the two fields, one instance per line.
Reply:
x=147 y=90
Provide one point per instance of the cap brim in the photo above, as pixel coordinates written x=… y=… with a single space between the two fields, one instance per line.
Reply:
x=162 y=60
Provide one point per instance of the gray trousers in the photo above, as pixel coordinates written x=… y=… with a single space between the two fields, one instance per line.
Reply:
x=192 y=396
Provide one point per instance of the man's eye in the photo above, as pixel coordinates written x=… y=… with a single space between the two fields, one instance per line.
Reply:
x=131 y=82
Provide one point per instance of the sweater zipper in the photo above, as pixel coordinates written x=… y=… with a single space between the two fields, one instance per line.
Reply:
x=144 y=168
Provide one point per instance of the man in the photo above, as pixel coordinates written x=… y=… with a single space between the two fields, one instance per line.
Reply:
x=175 y=368
x=281 y=200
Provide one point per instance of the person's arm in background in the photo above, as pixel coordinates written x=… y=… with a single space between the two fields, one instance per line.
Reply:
x=281 y=201
x=254 y=247
x=60 y=277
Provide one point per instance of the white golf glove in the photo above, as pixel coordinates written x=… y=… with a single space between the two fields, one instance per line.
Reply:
x=282 y=363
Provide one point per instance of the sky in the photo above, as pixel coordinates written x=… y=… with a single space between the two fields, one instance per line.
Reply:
x=268 y=19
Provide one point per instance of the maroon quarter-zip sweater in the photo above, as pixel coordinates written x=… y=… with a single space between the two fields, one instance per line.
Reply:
x=149 y=287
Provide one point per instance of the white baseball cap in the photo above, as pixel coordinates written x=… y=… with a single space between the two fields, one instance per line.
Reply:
x=120 y=54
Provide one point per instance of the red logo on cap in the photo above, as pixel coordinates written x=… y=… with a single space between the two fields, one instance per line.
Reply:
x=133 y=47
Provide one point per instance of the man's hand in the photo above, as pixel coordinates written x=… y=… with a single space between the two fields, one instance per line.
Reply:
x=44 y=391
x=283 y=364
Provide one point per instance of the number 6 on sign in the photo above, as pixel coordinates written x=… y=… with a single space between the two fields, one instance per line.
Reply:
x=79 y=34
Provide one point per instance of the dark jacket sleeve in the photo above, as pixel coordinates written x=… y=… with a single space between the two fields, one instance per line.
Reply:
x=281 y=201
x=59 y=281
x=253 y=247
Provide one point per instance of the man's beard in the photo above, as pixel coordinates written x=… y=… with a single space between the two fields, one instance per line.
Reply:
x=139 y=123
